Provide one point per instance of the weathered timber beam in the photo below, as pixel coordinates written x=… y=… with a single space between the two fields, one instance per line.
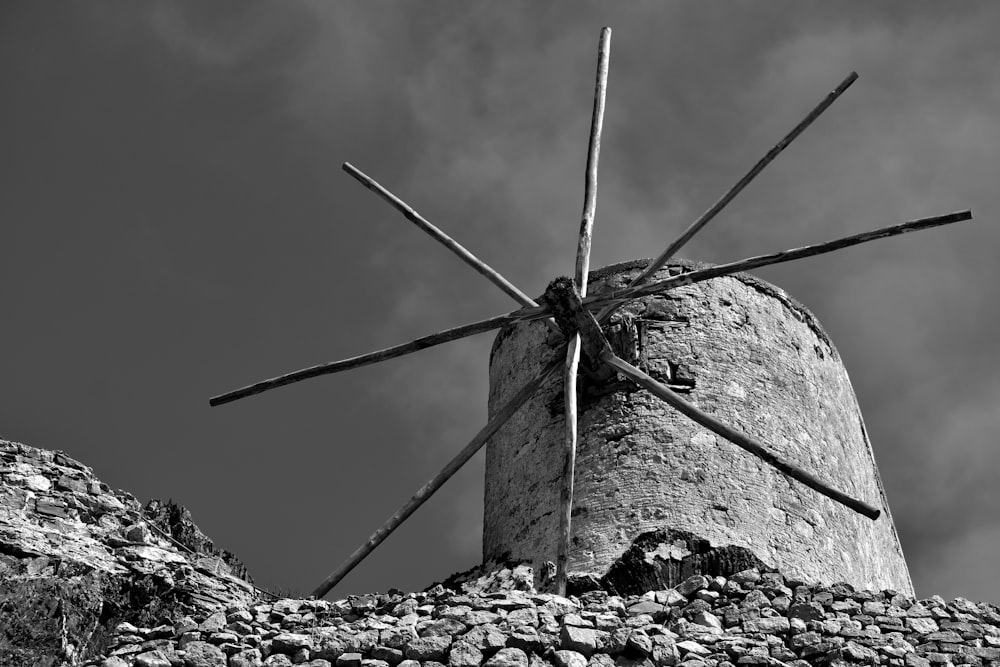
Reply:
x=596 y=346
x=582 y=274
x=362 y=360
x=603 y=299
x=436 y=482
x=594 y=302
x=778 y=257
x=661 y=391
x=464 y=254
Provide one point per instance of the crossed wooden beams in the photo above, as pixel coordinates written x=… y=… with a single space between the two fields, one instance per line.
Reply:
x=567 y=308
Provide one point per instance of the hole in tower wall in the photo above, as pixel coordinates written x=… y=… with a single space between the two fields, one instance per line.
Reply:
x=629 y=337
x=681 y=378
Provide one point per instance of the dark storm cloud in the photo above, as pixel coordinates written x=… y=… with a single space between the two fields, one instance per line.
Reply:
x=204 y=236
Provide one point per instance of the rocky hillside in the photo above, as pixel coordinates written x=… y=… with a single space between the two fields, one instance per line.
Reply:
x=77 y=558
x=89 y=577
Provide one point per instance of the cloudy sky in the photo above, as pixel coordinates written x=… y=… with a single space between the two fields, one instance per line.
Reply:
x=175 y=224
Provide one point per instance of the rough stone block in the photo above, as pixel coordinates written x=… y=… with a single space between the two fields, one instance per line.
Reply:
x=349 y=660
x=581 y=640
x=427 y=648
x=464 y=654
x=508 y=657
x=564 y=658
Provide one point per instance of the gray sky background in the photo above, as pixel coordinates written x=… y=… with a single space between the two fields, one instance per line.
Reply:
x=175 y=224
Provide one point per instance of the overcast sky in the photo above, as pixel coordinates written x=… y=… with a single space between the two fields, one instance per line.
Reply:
x=175 y=224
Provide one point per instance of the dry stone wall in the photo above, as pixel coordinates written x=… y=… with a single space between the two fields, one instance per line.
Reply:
x=750 y=618
x=739 y=349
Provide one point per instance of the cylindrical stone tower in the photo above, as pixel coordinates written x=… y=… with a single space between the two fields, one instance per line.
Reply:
x=741 y=350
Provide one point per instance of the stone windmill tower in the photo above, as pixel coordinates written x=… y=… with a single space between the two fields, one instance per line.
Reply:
x=711 y=403
x=742 y=350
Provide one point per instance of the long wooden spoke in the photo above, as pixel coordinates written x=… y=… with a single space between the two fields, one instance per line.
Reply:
x=595 y=302
x=436 y=482
x=611 y=298
x=711 y=423
x=778 y=257
x=410 y=214
x=593 y=157
x=464 y=254
x=363 y=359
x=714 y=210
x=597 y=347
x=582 y=273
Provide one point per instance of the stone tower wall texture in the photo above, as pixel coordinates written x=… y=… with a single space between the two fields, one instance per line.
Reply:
x=738 y=348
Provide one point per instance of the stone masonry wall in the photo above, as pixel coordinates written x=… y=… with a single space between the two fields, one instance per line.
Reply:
x=749 y=619
x=739 y=349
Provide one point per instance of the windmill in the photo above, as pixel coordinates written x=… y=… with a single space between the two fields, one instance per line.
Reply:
x=575 y=318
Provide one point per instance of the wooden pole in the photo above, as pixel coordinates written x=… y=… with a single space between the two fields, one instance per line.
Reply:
x=605 y=301
x=776 y=258
x=362 y=360
x=597 y=347
x=465 y=255
x=410 y=214
x=569 y=463
x=593 y=157
x=608 y=300
x=436 y=482
x=714 y=210
x=582 y=273
x=711 y=423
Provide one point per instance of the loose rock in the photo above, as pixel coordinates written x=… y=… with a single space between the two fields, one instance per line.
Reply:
x=508 y=657
x=565 y=658
x=203 y=654
x=427 y=648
